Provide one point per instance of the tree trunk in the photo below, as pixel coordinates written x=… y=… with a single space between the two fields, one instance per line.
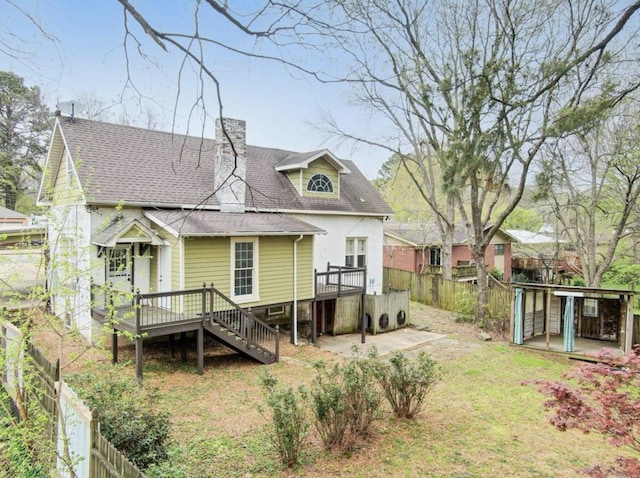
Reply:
x=483 y=285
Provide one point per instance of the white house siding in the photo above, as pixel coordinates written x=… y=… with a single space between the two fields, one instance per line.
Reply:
x=69 y=236
x=331 y=247
x=101 y=218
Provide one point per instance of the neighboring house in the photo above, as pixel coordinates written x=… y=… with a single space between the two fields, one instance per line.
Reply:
x=162 y=214
x=573 y=320
x=417 y=248
x=17 y=230
x=10 y=219
x=543 y=258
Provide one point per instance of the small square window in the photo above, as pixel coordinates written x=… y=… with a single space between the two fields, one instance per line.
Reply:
x=498 y=249
x=590 y=308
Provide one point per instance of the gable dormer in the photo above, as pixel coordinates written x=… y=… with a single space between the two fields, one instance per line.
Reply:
x=314 y=174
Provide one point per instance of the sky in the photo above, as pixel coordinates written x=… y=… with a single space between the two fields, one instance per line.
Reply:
x=86 y=58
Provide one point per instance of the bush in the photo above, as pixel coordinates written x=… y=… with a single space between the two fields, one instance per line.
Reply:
x=406 y=383
x=346 y=400
x=127 y=417
x=465 y=307
x=496 y=274
x=288 y=418
x=578 y=281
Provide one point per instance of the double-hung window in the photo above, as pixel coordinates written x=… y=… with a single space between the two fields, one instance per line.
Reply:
x=244 y=266
x=356 y=252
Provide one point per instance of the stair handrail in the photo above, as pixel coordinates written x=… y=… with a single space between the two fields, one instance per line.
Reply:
x=254 y=328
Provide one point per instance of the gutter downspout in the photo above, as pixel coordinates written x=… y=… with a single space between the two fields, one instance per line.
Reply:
x=294 y=312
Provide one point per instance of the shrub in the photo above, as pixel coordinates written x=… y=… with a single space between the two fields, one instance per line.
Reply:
x=496 y=274
x=406 y=383
x=127 y=417
x=465 y=307
x=288 y=418
x=346 y=400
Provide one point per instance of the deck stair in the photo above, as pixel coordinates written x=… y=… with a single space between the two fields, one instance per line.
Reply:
x=205 y=310
x=240 y=330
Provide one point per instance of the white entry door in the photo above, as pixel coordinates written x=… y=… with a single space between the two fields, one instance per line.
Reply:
x=164 y=275
x=119 y=268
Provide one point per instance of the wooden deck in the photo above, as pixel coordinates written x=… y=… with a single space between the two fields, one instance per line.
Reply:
x=340 y=281
x=141 y=316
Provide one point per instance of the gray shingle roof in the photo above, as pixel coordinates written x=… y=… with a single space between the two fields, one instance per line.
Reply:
x=6 y=213
x=161 y=169
x=214 y=223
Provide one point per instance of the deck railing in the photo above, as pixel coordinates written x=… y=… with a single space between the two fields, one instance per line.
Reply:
x=141 y=312
x=243 y=323
x=340 y=280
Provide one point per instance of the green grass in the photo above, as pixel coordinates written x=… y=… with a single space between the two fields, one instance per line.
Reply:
x=481 y=420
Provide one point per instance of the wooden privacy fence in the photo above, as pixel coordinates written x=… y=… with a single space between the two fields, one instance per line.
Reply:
x=445 y=294
x=69 y=422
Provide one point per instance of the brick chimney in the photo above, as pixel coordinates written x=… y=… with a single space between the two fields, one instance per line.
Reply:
x=230 y=164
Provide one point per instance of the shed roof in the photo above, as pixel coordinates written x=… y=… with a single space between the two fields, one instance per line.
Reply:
x=215 y=223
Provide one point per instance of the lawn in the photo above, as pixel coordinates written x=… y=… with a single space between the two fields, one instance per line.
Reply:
x=480 y=419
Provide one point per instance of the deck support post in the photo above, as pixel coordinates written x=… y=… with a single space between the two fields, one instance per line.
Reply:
x=114 y=347
x=183 y=347
x=139 y=359
x=314 y=322
x=200 y=350
x=172 y=345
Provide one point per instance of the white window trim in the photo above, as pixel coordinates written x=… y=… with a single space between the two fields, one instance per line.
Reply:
x=328 y=180
x=255 y=296
x=70 y=173
x=356 y=242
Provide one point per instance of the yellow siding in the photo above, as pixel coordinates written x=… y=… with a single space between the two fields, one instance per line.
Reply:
x=208 y=259
x=294 y=177
x=321 y=166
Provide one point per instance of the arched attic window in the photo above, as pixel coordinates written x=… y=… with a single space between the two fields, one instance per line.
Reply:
x=319 y=183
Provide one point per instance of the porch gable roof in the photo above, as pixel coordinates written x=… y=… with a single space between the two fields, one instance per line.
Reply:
x=122 y=231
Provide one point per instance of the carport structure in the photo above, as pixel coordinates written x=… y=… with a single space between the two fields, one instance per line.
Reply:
x=572 y=320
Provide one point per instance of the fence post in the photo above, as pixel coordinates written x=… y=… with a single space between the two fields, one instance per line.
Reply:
x=277 y=343
x=94 y=427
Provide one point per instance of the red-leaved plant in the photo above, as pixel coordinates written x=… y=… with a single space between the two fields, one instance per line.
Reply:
x=603 y=397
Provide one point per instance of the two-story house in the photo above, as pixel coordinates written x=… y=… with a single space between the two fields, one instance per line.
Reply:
x=153 y=215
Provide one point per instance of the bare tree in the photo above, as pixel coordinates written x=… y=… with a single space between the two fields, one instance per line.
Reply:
x=474 y=89
x=592 y=183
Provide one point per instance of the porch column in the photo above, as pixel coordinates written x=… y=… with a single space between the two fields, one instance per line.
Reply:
x=547 y=319
x=629 y=325
x=518 y=327
x=568 y=325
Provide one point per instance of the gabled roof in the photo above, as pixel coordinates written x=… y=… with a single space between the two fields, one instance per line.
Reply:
x=139 y=167
x=528 y=237
x=422 y=234
x=427 y=234
x=123 y=230
x=215 y=223
x=302 y=161
x=6 y=213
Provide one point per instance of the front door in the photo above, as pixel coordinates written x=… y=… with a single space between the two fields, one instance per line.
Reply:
x=119 y=268
x=164 y=275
